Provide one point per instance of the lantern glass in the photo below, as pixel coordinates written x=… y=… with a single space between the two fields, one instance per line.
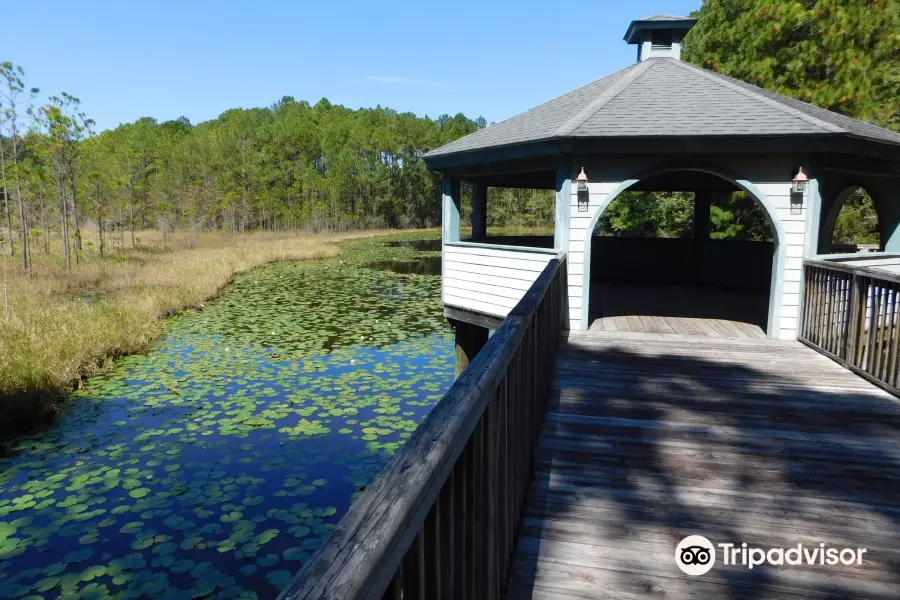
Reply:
x=799 y=186
x=582 y=186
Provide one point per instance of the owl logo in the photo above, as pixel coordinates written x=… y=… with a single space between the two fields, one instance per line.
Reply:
x=695 y=555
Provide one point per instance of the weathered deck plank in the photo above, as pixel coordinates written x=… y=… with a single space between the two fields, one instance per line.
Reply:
x=651 y=438
x=676 y=309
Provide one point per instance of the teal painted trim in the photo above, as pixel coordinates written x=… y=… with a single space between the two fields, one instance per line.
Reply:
x=450 y=212
x=586 y=278
x=778 y=260
x=563 y=209
x=813 y=219
x=891 y=227
x=450 y=204
x=529 y=249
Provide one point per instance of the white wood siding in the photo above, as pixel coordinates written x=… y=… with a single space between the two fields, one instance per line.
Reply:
x=794 y=227
x=489 y=280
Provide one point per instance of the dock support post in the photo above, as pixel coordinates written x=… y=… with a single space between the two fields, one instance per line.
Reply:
x=469 y=340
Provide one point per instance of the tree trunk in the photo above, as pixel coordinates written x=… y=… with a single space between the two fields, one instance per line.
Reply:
x=75 y=217
x=100 y=219
x=23 y=226
x=131 y=213
x=5 y=291
x=64 y=219
x=44 y=222
x=121 y=231
x=12 y=246
x=23 y=221
x=23 y=216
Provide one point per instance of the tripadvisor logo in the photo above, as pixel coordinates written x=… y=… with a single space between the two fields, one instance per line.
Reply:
x=696 y=555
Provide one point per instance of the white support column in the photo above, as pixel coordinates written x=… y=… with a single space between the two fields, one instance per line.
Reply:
x=563 y=208
x=450 y=212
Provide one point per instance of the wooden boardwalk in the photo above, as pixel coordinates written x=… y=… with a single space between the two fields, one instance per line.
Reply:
x=652 y=438
x=677 y=309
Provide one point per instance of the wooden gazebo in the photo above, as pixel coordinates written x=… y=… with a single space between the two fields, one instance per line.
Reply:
x=662 y=124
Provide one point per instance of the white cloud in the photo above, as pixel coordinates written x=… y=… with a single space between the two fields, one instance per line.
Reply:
x=404 y=81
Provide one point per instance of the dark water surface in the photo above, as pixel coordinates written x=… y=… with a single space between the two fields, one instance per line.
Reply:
x=430 y=265
x=417 y=244
x=217 y=463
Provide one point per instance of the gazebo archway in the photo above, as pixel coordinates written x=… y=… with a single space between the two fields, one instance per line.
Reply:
x=831 y=219
x=682 y=178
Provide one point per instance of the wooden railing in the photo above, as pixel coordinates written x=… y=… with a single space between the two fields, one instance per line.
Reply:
x=852 y=314
x=441 y=520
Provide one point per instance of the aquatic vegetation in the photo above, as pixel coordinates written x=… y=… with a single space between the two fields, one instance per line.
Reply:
x=218 y=462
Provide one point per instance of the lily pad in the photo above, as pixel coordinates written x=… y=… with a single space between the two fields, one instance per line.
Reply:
x=77 y=556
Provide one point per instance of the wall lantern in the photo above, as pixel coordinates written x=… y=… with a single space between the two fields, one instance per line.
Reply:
x=800 y=183
x=799 y=186
x=582 y=180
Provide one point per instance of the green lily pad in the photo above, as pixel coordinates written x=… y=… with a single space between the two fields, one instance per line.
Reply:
x=182 y=566
x=47 y=584
x=202 y=588
x=139 y=492
x=91 y=573
x=77 y=556
x=132 y=527
x=295 y=553
x=267 y=561
x=278 y=578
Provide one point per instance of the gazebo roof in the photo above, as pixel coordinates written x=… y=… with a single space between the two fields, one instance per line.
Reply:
x=665 y=17
x=665 y=97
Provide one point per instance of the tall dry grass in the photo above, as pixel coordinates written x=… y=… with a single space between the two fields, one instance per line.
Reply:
x=63 y=326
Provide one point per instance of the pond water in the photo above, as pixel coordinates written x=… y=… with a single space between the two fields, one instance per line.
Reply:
x=417 y=244
x=217 y=463
x=430 y=265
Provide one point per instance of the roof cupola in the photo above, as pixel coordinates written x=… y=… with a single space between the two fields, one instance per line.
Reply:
x=659 y=35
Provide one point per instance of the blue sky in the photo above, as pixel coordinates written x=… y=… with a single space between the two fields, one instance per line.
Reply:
x=165 y=59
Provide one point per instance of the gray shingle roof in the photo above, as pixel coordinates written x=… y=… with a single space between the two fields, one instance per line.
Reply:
x=664 y=17
x=665 y=97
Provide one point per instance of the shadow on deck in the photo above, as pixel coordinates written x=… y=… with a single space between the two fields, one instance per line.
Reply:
x=650 y=439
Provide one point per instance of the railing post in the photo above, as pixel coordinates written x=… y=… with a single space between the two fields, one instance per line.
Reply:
x=854 y=320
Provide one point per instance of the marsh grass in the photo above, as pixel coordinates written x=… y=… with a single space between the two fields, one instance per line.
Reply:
x=63 y=326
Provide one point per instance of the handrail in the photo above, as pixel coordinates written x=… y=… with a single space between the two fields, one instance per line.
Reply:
x=852 y=315
x=445 y=512
x=850 y=268
x=504 y=247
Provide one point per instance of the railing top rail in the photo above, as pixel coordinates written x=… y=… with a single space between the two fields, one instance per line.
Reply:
x=508 y=248
x=365 y=550
x=872 y=272
x=855 y=256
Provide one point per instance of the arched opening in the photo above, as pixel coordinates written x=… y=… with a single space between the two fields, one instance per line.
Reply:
x=856 y=226
x=684 y=252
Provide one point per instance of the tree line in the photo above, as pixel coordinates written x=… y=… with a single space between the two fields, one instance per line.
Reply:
x=290 y=166
x=294 y=166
